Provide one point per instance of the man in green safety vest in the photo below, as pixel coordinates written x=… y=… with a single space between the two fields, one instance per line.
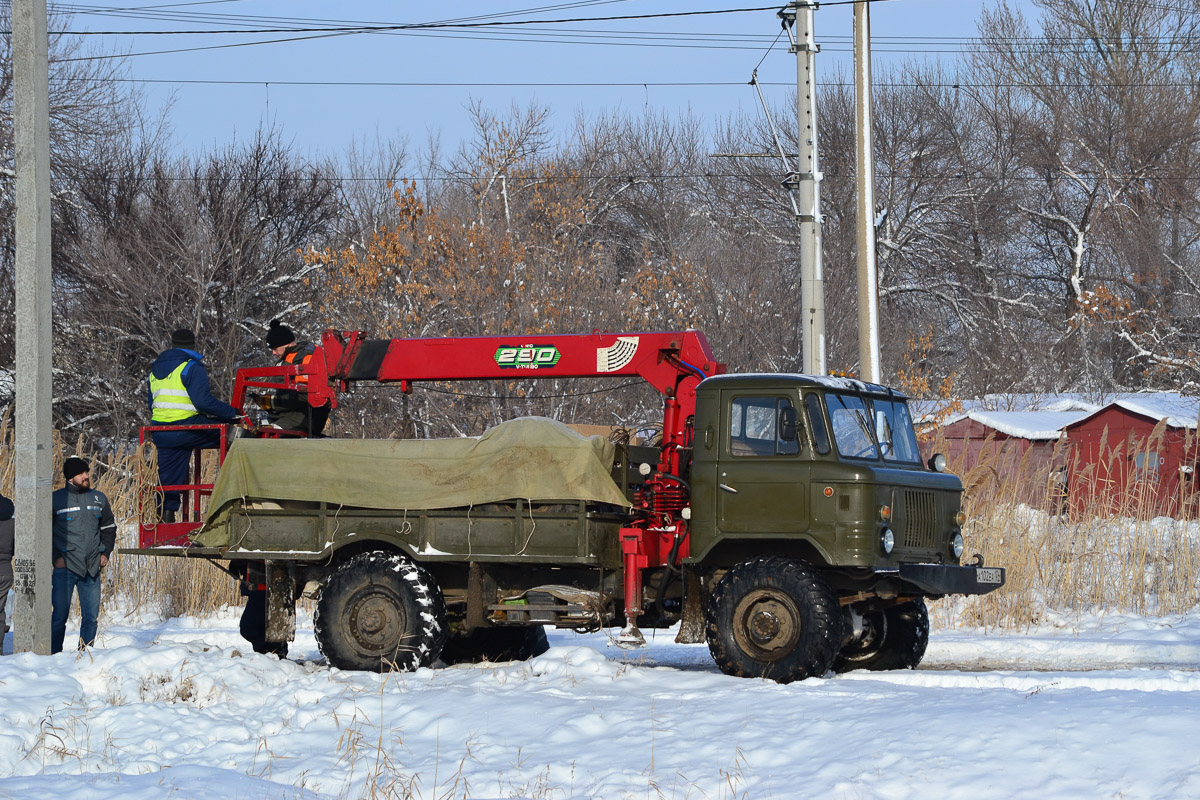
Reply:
x=179 y=394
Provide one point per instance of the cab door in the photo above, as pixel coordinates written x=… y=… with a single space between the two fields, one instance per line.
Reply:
x=762 y=471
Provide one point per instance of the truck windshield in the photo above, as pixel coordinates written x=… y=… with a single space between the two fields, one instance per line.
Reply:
x=872 y=427
x=849 y=417
x=894 y=430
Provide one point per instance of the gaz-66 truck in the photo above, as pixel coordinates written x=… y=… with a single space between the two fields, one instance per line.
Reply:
x=786 y=519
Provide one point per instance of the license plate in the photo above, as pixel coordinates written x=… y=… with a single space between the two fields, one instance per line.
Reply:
x=988 y=575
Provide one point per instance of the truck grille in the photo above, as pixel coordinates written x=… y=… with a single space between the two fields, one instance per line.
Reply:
x=920 y=519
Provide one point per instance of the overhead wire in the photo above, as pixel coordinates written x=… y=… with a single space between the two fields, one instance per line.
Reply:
x=403 y=26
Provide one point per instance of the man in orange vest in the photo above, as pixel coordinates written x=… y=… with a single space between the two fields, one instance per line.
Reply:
x=290 y=409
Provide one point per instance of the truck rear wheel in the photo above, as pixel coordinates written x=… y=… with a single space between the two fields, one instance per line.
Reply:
x=773 y=618
x=496 y=644
x=381 y=612
x=892 y=638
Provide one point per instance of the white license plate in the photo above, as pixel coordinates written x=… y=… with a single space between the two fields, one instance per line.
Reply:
x=988 y=575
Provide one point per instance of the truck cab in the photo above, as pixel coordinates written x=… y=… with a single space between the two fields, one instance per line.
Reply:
x=826 y=469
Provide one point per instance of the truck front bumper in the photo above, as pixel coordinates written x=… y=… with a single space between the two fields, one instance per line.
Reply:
x=943 y=579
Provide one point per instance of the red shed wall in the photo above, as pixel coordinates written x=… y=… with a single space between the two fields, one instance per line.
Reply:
x=968 y=444
x=1118 y=465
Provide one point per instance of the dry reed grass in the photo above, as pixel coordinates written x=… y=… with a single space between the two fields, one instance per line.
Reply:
x=133 y=584
x=1111 y=546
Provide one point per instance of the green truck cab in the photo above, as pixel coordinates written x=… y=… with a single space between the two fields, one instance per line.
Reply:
x=820 y=480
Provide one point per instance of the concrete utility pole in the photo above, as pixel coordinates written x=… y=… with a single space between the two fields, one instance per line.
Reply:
x=868 y=291
x=31 y=122
x=808 y=185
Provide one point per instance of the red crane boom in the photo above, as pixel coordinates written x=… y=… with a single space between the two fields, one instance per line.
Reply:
x=672 y=362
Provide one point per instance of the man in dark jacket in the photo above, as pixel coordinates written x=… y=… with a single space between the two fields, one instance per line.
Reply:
x=291 y=410
x=84 y=535
x=179 y=394
x=7 y=542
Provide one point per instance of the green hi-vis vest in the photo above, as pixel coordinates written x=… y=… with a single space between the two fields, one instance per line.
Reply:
x=170 y=398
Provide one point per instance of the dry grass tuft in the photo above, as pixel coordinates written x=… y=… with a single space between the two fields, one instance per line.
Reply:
x=1110 y=548
x=165 y=586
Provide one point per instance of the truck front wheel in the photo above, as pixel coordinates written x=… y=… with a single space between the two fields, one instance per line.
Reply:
x=773 y=618
x=381 y=612
x=891 y=638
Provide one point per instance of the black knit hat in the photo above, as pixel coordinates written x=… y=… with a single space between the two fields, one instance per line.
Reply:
x=73 y=466
x=279 y=335
x=183 y=338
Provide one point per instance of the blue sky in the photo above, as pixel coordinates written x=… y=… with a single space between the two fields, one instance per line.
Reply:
x=309 y=88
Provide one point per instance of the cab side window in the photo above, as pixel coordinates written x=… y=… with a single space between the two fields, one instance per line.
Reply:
x=755 y=429
x=816 y=421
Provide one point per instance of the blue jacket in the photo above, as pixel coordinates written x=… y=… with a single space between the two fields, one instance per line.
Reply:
x=195 y=380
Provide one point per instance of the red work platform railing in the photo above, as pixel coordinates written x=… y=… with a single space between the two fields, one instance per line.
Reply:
x=154 y=533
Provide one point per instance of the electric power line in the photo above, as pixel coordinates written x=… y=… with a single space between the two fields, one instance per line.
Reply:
x=635 y=84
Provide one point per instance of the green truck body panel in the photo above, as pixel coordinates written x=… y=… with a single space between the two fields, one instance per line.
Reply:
x=559 y=533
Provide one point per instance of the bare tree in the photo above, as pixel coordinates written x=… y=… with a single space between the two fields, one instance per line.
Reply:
x=213 y=244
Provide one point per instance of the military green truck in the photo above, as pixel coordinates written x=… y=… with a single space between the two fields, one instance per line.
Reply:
x=788 y=520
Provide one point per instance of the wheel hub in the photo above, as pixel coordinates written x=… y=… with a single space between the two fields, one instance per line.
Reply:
x=767 y=624
x=764 y=627
x=376 y=620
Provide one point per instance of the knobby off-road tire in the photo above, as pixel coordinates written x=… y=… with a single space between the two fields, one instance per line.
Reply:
x=496 y=645
x=894 y=638
x=773 y=618
x=380 y=612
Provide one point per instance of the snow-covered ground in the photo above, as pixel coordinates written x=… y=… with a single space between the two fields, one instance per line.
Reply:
x=1099 y=707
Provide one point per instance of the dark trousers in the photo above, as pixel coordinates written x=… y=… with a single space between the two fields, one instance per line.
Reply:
x=253 y=626
x=174 y=455
x=6 y=582
x=63 y=584
x=307 y=419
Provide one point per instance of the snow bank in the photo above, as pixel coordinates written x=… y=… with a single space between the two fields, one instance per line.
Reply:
x=1098 y=706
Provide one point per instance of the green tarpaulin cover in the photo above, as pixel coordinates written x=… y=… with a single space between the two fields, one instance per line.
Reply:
x=533 y=458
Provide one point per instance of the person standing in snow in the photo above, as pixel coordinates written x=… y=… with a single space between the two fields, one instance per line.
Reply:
x=7 y=543
x=291 y=410
x=179 y=394
x=84 y=536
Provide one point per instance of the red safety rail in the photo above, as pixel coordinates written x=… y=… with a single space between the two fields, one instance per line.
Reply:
x=151 y=532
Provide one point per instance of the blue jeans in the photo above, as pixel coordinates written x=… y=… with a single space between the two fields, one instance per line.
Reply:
x=64 y=582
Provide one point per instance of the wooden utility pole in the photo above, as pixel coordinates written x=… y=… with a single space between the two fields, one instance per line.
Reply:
x=31 y=123
x=868 y=292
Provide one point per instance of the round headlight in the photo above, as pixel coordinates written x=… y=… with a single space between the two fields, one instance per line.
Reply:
x=938 y=463
x=956 y=545
x=888 y=540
